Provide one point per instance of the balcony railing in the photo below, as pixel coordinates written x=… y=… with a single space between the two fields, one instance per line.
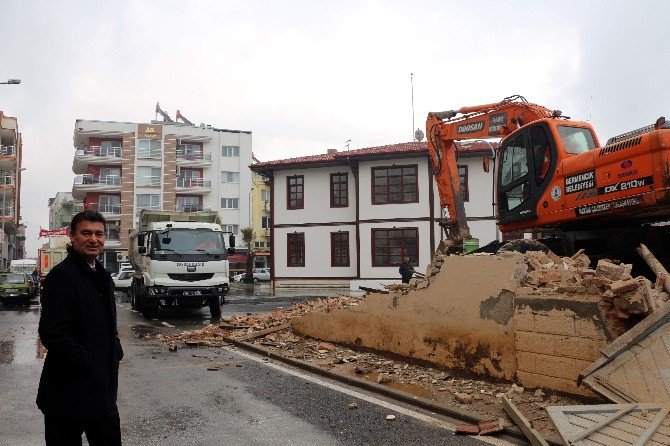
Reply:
x=7 y=180
x=107 y=180
x=112 y=233
x=98 y=151
x=9 y=210
x=7 y=151
x=149 y=208
x=193 y=182
x=193 y=156
x=148 y=181
x=104 y=208
x=192 y=208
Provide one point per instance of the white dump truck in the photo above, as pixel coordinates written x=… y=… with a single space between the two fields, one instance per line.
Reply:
x=180 y=260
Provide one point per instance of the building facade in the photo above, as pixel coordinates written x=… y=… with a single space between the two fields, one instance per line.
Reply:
x=345 y=219
x=62 y=208
x=11 y=150
x=123 y=167
x=260 y=205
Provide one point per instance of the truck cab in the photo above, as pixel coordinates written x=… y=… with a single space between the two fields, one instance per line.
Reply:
x=178 y=263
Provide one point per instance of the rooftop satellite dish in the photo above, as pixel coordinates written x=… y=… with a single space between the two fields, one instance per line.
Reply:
x=418 y=135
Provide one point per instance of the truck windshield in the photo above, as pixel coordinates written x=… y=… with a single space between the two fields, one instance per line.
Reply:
x=186 y=241
x=12 y=278
x=576 y=140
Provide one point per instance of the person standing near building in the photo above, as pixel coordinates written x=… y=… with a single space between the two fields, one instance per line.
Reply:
x=78 y=387
x=406 y=269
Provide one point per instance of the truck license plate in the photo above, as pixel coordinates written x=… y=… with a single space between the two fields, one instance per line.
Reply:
x=193 y=293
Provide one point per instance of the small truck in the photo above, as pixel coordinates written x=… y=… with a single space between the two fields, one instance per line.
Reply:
x=180 y=260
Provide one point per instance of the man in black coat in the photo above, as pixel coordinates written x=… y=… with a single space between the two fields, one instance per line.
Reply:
x=77 y=391
x=406 y=269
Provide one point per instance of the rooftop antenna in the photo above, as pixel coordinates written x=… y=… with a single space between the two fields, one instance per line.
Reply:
x=346 y=143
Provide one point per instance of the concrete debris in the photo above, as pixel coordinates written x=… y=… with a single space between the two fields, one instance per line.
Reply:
x=463 y=398
x=486 y=427
x=353 y=406
x=390 y=417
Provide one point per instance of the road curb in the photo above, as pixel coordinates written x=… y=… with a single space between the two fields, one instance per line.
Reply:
x=398 y=395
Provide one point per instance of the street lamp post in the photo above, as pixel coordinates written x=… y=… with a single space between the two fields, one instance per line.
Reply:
x=12 y=82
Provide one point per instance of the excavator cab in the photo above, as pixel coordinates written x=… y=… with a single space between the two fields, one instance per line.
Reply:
x=526 y=161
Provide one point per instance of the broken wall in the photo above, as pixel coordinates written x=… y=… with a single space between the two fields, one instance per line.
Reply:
x=463 y=320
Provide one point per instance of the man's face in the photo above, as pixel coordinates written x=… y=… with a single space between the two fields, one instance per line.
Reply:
x=88 y=239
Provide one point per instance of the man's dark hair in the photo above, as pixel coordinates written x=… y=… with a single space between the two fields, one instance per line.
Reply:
x=90 y=215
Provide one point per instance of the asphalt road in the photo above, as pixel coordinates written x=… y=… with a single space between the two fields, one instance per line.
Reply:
x=171 y=398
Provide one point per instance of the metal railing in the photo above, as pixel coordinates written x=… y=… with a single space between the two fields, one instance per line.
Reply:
x=149 y=208
x=148 y=181
x=7 y=151
x=192 y=208
x=103 y=208
x=7 y=180
x=112 y=233
x=193 y=182
x=114 y=152
x=108 y=180
x=193 y=156
x=8 y=211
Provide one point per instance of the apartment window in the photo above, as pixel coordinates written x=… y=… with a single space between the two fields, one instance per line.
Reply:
x=265 y=195
x=230 y=151
x=296 y=249
x=188 y=204
x=295 y=192
x=110 y=204
x=259 y=244
x=463 y=178
x=148 y=201
x=231 y=229
x=189 y=151
x=339 y=194
x=230 y=177
x=149 y=148
x=265 y=222
x=110 y=148
x=389 y=245
x=148 y=176
x=339 y=249
x=110 y=176
x=230 y=203
x=396 y=184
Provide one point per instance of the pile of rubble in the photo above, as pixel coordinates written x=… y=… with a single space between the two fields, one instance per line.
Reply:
x=238 y=327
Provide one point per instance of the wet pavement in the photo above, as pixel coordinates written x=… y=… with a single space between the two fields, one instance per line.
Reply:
x=173 y=398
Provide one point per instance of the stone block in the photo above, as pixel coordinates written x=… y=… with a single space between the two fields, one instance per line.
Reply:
x=609 y=270
x=563 y=324
x=525 y=361
x=524 y=322
x=534 y=380
x=534 y=342
x=589 y=328
x=579 y=348
x=556 y=366
x=622 y=286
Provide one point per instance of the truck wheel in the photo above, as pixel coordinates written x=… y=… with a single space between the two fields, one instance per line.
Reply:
x=148 y=307
x=215 y=306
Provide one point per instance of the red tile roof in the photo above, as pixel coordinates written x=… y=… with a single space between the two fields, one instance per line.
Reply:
x=391 y=149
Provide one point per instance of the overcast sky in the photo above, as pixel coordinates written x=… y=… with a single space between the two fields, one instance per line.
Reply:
x=307 y=76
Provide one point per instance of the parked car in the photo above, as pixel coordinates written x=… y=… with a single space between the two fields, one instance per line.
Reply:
x=123 y=280
x=15 y=288
x=259 y=274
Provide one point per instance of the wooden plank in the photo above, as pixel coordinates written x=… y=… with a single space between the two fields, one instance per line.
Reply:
x=656 y=266
x=661 y=355
x=533 y=436
x=653 y=378
x=262 y=333
x=615 y=416
x=630 y=431
x=652 y=428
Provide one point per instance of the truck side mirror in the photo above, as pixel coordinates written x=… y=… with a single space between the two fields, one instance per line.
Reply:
x=142 y=249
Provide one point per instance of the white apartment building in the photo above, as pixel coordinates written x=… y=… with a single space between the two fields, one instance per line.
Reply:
x=345 y=219
x=124 y=167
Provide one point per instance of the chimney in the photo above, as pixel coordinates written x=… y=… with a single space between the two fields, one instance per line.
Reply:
x=331 y=151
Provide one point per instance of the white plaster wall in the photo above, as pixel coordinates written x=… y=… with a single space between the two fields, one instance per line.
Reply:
x=480 y=186
x=369 y=211
x=391 y=272
x=316 y=197
x=317 y=253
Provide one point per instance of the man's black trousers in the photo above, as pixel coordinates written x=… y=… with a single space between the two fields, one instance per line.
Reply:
x=67 y=431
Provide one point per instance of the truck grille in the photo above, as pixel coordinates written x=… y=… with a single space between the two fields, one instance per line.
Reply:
x=191 y=277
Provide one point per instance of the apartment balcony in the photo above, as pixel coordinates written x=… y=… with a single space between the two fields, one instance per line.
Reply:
x=192 y=208
x=7 y=157
x=8 y=212
x=95 y=155
x=189 y=158
x=95 y=183
x=193 y=186
x=7 y=186
x=112 y=237
x=110 y=211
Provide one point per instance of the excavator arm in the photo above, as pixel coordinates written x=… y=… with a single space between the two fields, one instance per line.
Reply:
x=495 y=120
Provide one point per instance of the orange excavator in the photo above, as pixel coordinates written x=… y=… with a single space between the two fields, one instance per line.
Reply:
x=552 y=176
